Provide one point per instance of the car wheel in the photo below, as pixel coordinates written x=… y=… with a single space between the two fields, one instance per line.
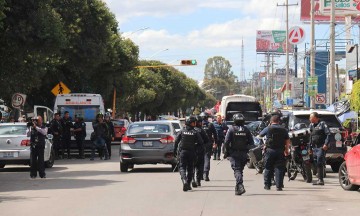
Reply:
x=250 y=164
x=335 y=167
x=344 y=179
x=124 y=167
x=2 y=166
x=50 y=162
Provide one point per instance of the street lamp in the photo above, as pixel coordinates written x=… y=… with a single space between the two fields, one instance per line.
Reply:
x=163 y=50
x=133 y=32
x=357 y=59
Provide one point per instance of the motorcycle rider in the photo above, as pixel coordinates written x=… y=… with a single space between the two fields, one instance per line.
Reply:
x=210 y=130
x=236 y=147
x=277 y=148
x=188 y=139
x=200 y=153
x=319 y=142
x=221 y=129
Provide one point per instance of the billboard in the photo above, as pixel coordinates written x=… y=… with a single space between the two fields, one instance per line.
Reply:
x=343 y=7
x=272 y=41
x=319 y=16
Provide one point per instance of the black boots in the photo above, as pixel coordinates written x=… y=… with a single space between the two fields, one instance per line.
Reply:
x=186 y=185
x=320 y=173
x=206 y=176
x=239 y=189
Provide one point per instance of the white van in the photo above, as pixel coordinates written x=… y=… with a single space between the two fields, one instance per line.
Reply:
x=247 y=105
x=83 y=104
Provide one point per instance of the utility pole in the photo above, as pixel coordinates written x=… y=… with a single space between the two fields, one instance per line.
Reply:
x=332 y=54
x=287 y=42
x=312 y=48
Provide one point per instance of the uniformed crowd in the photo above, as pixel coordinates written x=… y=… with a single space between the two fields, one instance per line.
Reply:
x=199 y=139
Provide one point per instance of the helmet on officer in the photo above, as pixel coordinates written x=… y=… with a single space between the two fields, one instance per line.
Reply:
x=239 y=119
x=191 y=119
x=204 y=115
x=199 y=120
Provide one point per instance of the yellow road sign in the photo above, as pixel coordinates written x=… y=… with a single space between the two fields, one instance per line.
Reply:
x=60 y=88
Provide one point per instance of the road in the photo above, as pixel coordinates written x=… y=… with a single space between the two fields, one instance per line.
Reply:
x=93 y=188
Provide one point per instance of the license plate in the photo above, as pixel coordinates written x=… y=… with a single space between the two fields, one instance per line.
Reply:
x=338 y=144
x=306 y=157
x=147 y=143
x=9 y=154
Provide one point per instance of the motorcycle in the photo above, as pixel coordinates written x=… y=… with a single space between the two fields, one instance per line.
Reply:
x=301 y=158
x=256 y=156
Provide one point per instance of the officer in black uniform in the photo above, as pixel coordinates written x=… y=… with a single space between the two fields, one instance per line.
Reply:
x=37 y=133
x=80 y=134
x=277 y=147
x=188 y=138
x=210 y=130
x=319 y=142
x=236 y=147
x=67 y=126
x=56 y=130
x=200 y=153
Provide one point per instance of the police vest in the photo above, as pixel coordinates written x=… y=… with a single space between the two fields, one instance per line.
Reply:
x=188 y=139
x=276 y=137
x=37 y=137
x=240 y=140
x=318 y=136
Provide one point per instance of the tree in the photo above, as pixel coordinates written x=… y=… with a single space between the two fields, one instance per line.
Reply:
x=355 y=97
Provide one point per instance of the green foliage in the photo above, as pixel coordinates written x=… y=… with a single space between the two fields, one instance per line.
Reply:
x=355 y=97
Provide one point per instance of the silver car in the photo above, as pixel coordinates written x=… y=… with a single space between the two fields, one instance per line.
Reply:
x=149 y=142
x=15 y=146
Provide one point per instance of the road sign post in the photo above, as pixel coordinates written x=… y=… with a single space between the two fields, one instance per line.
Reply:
x=60 y=88
x=18 y=100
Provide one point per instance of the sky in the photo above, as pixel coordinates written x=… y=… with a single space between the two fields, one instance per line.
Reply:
x=172 y=30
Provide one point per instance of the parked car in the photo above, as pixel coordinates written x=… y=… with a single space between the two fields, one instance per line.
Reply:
x=15 y=146
x=148 y=142
x=120 y=127
x=349 y=173
x=337 y=148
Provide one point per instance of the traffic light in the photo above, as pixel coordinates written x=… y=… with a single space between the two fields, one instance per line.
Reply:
x=189 y=62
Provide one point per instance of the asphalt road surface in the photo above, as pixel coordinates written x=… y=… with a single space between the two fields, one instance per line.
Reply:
x=94 y=188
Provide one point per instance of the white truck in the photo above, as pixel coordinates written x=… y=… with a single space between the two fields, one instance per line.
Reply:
x=83 y=104
x=247 y=105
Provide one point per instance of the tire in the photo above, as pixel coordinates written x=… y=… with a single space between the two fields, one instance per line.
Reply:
x=50 y=162
x=308 y=173
x=174 y=168
x=258 y=168
x=250 y=164
x=2 y=166
x=335 y=167
x=131 y=166
x=344 y=179
x=124 y=167
x=290 y=171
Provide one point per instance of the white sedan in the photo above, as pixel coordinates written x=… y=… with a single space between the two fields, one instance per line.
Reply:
x=15 y=146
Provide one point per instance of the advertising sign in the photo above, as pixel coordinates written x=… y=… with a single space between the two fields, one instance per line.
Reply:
x=312 y=85
x=296 y=35
x=271 y=41
x=343 y=7
x=319 y=17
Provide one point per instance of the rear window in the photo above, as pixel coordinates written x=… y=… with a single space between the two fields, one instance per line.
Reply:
x=251 y=110
x=12 y=130
x=148 y=128
x=330 y=120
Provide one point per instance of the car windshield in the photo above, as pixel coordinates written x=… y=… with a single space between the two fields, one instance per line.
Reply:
x=12 y=130
x=330 y=120
x=148 y=128
x=118 y=123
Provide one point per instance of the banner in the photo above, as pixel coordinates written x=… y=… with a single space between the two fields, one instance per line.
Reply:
x=272 y=41
x=342 y=7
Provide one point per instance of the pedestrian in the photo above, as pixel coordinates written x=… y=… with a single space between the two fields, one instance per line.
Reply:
x=100 y=131
x=221 y=129
x=80 y=134
x=319 y=142
x=185 y=146
x=277 y=148
x=37 y=133
x=56 y=130
x=200 y=153
x=67 y=126
x=210 y=130
x=111 y=133
x=236 y=147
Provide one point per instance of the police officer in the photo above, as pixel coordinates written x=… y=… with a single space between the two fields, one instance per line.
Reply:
x=210 y=130
x=200 y=153
x=111 y=133
x=67 y=126
x=80 y=134
x=37 y=133
x=221 y=129
x=188 y=138
x=236 y=147
x=56 y=130
x=277 y=147
x=319 y=141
